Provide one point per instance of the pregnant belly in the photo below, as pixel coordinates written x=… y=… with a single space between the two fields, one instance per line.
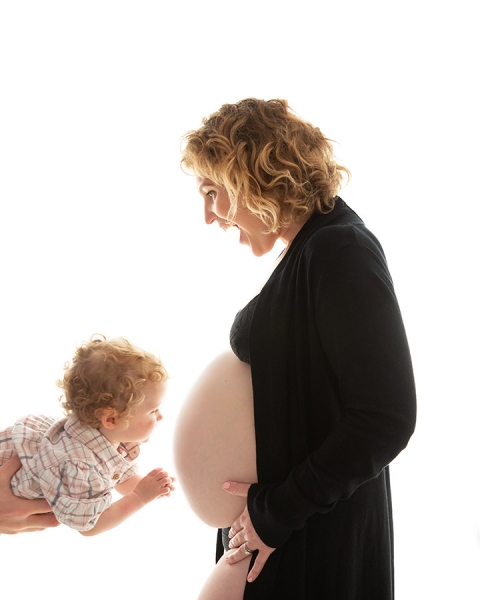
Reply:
x=215 y=440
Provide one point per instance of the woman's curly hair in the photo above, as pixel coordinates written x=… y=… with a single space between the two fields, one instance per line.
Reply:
x=280 y=166
x=107 y=374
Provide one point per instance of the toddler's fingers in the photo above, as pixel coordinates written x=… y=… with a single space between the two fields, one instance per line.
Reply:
x=156 y=471
x=158 y=474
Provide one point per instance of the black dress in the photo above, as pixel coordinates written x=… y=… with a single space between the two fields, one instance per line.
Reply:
x=334 y=403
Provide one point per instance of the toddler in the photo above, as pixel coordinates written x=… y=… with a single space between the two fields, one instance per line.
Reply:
x=112 y=395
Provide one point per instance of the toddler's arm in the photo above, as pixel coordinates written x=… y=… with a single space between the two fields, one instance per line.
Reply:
x=157 y=483
x=128 y=486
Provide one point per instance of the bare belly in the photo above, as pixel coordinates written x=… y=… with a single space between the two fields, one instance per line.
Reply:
x=215 y=440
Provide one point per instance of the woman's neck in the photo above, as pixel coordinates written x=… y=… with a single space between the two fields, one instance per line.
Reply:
x=288 y=233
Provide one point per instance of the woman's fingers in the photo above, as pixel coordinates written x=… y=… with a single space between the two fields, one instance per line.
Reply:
x=237 y=489
x=235 y=555
x=238 y=554
x=258 y=565
x=241 y=529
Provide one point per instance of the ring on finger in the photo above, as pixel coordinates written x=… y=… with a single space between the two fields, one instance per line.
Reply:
x=246 y=549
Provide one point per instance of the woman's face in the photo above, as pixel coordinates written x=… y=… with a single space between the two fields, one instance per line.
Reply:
x=251 y=228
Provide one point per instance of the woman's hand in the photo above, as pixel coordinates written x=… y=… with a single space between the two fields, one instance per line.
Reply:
x=18 y=515
x=243 y=537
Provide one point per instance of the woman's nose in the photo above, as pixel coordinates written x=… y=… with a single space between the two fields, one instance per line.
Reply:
x=209 y=214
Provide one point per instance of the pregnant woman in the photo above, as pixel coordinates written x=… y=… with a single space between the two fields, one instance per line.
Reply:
x=284 y=444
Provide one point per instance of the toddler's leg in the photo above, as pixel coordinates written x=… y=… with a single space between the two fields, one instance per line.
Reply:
x=226 y=582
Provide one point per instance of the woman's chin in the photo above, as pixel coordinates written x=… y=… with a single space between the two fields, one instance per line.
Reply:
x=256 y=248
x=258 y=251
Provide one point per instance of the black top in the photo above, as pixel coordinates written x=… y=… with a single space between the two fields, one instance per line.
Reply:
x=240 y=331
x=334 y=403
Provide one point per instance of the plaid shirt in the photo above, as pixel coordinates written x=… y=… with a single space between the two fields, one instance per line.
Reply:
x=72 y=466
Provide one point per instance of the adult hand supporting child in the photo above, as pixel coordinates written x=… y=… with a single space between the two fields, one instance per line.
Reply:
x=18 y=515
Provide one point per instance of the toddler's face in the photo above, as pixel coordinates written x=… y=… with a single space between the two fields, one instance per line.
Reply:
x=144 y=418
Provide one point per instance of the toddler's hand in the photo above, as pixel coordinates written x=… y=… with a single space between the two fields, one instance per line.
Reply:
x=157 y=483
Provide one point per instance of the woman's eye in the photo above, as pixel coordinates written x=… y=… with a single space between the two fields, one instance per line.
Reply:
x=211 y=193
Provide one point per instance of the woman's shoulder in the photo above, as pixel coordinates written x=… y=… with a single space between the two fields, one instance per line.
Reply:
x=341 y=229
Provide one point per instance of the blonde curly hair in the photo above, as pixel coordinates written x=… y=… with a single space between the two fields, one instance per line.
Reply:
x=276 y=164
x=107 y=374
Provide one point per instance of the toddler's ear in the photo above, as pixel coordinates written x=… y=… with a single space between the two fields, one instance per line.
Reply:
x=109 y=418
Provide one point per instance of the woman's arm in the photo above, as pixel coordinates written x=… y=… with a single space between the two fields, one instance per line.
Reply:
x=364 y=352
x=361 y=333
x=18 y=515
x=157 y=483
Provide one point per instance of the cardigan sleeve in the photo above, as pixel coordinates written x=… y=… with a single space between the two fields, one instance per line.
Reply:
x=360 y=332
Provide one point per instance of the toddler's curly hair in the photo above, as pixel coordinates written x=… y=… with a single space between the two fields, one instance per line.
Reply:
x=107 y=373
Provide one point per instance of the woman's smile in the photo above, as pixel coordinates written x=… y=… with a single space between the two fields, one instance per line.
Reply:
x=217 y=209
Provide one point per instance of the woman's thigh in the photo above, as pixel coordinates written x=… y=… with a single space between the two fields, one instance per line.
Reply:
x=226 y=582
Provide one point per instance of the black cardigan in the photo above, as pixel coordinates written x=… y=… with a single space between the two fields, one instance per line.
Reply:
x=334 y=402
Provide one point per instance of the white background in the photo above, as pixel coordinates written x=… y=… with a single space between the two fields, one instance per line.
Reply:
x=100 y=231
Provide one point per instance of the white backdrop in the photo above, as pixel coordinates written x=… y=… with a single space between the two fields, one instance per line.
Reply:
x=101 y=232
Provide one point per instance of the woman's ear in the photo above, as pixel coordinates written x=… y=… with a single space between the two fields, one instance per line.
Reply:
x=109 y=418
